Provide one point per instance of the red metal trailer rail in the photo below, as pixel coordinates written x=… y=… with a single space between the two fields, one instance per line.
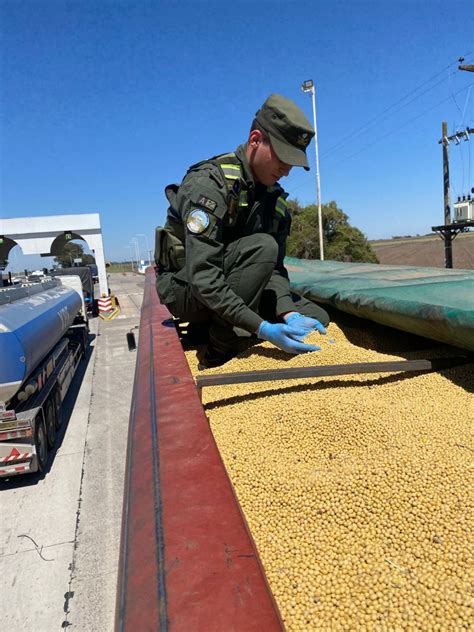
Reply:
x=187 y=560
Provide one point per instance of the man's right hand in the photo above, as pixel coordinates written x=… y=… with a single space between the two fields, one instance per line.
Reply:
x=286 y=337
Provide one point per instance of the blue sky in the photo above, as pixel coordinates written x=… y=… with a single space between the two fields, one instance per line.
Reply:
x=105 y=103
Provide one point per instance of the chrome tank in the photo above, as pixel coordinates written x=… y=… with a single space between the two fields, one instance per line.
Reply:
x=32 y=320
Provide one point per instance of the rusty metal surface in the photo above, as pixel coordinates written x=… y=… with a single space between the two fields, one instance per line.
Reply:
x=188 y=561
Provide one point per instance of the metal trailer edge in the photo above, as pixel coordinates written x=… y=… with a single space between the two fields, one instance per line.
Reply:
x=187 y=558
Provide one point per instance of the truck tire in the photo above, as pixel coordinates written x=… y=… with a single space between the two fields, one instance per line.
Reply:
x=58 y=407
x=41 y=444
x=50 y=422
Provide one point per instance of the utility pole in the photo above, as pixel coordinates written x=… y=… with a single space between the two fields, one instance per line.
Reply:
x=467 y=67
x=448 y=230
x=447 y=202
x=446 y=234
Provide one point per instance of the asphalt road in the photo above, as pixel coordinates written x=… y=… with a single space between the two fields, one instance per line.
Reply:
x=60 y=533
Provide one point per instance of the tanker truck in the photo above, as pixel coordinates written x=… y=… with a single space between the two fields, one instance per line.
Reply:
x=43 y=336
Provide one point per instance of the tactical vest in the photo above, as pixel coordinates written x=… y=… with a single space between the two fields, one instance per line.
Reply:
x=237 y=197
x=169 y=245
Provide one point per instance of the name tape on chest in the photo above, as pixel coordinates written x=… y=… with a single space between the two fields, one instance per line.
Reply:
x=198 y=221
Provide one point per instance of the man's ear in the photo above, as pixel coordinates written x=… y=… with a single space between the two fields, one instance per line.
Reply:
x=255 y=138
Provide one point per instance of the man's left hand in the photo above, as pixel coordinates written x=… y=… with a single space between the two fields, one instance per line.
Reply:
x=304 y=322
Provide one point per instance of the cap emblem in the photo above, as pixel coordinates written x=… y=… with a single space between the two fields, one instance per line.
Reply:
x=303 y=139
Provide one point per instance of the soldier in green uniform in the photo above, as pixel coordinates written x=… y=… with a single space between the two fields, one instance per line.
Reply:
x=220 y=254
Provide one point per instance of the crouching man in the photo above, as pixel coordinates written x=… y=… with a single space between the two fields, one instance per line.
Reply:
x=220 y=254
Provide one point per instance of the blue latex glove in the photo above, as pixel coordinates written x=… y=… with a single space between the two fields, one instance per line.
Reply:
x=305 y=322
x=286 y=337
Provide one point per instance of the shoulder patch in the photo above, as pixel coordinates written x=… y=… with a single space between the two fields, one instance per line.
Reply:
x=198 y=221
x=207 y=203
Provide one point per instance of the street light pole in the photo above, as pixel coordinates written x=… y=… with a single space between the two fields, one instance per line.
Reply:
x=308 y=86
x=147 y=248
x=134 y=241
x=131 y=256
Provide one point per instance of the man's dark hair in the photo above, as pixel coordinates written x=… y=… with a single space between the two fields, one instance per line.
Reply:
x=256 y=125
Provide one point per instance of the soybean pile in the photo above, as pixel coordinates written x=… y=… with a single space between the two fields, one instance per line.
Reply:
x=357 y=489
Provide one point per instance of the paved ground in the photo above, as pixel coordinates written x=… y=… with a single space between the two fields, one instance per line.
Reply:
x=59 y=535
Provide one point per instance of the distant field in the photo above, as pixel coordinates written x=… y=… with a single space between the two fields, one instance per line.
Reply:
x=426 y=251
x=120 y=267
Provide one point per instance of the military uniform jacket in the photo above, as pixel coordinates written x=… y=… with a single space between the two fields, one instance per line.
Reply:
x=216 y=204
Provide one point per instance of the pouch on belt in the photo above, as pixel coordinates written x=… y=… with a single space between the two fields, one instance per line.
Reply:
x=169 y=250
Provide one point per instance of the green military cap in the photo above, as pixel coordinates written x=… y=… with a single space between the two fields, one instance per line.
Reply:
x=289 y=130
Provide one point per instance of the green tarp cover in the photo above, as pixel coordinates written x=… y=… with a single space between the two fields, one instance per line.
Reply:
x=431 y=302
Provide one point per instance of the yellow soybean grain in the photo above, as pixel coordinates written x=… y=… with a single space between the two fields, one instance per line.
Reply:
x=357 y=489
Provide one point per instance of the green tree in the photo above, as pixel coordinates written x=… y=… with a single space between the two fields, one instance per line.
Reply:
x=70 y=252
x=342 y=242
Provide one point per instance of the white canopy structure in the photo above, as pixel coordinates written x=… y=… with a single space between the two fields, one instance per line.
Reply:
x=47 y=235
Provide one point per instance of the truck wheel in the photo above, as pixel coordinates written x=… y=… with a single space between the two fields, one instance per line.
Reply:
x=41 y=444
x=58 y=407
x=50 y=420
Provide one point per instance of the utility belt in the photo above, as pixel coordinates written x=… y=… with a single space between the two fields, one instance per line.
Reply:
x=169 y=251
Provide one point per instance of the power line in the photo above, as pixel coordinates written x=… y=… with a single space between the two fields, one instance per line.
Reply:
x=465 y=107
x=372 y=121
x=453 y=96
x=457 y=137
x=377 y=140
x=380 y=138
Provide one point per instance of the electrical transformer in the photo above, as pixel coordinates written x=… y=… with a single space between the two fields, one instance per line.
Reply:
x=464 y=209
